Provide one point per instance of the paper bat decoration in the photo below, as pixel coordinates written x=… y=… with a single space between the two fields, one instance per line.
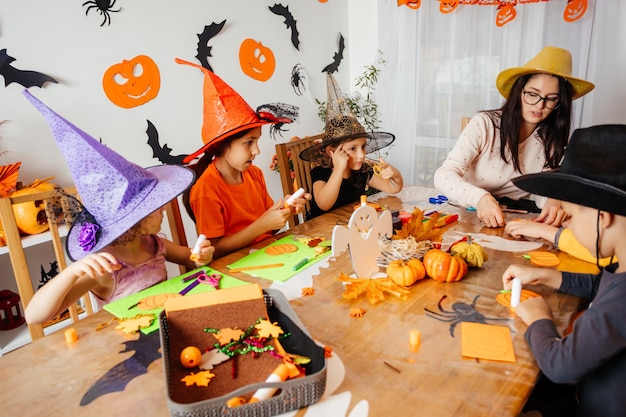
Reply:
x=334 y=67
x=115 y=379
x=290 y=22
x=24 y=78
x=204 y=50
x=162 y=153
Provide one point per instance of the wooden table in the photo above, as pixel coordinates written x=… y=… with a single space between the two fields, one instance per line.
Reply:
x=49 y=377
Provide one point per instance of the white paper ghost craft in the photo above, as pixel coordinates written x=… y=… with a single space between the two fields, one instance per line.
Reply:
x=361 y=238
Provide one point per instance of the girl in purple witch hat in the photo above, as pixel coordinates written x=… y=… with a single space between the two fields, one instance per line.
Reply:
x=114 y=242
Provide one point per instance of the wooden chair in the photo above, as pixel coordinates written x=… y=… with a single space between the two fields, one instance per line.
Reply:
x=176 y=226
x=464 y=121
x=301 y=169
x=53 y=201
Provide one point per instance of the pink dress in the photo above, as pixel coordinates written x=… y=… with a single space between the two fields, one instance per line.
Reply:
x=134 y=278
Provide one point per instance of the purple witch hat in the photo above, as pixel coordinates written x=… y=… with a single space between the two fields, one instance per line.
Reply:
x=116 y=194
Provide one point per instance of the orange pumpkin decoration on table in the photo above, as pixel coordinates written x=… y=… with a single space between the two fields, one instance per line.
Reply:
x=132 y=82
x=574 y=10
x=406 y=273
x=443 y=267
x=506 y=13
x=256 y=61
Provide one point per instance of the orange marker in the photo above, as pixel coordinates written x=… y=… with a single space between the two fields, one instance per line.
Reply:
x=281 y=373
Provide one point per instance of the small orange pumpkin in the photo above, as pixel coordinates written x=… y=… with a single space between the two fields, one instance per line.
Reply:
x=132 y=82
x=443 y=267
x=257 y=61
x=406 y=273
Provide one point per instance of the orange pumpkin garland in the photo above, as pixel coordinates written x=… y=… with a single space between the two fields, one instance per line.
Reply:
x=443 y=267
x=132 y=82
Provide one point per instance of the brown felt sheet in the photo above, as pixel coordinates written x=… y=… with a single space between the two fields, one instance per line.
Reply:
x=186 y=328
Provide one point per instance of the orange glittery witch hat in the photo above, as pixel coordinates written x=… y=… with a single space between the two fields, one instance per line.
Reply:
x=225 y=112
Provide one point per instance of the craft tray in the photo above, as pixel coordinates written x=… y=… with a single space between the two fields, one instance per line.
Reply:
x=293 y=394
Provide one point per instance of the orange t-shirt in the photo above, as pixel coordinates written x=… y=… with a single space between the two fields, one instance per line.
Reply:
x=222 y=209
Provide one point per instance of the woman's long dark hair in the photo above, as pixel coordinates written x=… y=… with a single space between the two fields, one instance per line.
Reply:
x=203 y=163
x=553 y=132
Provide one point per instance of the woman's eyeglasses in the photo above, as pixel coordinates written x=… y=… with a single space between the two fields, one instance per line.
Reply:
x=534 y=98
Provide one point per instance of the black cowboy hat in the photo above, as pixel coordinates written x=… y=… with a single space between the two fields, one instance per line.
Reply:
x=593 y=172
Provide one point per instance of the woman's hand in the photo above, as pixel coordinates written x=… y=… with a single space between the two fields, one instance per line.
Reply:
x=489 y=211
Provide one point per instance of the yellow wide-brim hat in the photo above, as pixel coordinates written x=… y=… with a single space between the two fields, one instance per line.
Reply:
x=551 y=60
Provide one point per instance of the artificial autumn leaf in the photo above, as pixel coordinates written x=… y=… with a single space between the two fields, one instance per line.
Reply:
x=357 y=313
x=308 y=291
x=374 y=289
x=132 y=325
x=310 y=241
x=201 y=379
x=211 y=358
x=267 y=329
x=226 y=335
x=420 y=229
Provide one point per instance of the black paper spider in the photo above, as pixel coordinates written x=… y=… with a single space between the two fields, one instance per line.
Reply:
x=104 y=7
x=277 y=129
x=460 y=312
x=297 y=75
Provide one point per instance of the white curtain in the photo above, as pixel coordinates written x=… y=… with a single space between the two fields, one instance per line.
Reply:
x=442 y=67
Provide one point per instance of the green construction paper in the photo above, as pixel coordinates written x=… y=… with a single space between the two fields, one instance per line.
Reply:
x=290 y=260
x=120 y=308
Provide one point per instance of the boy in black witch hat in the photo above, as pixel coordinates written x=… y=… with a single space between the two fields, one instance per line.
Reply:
x=591 y=183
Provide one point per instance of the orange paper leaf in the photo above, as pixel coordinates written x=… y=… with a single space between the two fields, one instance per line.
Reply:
x=267 y=329
x=201 y=379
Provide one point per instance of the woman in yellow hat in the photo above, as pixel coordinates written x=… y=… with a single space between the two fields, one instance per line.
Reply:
x=528 y=134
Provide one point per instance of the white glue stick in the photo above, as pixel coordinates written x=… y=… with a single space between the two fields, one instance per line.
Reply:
x=280 y=374
x=516 y=293
x=195 y=252
x=293 y=197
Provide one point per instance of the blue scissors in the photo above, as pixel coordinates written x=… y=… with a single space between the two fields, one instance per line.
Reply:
x=202 y=278
x=440 y=199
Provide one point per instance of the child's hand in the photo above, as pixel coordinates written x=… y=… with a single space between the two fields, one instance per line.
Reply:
x=95 y=265
x=204 y=255
x=533 y=309
x=531 y=275
x=298 y=204
x=529 y=228
x=384 y=170
x=340 y=158
x=552 y=213
x=276 y=216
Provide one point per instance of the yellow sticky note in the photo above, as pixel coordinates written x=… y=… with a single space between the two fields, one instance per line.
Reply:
x=486 y=341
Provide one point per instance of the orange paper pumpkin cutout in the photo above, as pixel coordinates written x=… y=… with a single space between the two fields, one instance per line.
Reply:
x=506 y=13
x=574 y=10
x=448 y=6
x=505 y=298
x=543 y=258
x=133 y=82
x=411 y=4
x=257 y=61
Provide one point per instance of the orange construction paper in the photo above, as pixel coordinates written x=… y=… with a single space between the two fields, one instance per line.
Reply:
x=486 y=341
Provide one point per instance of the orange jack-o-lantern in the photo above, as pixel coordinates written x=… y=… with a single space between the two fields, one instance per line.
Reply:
x=133 y=82
x=506 y=13
x=411 y=4
x=574 y=10
x=448 y=6
x=31 y=216
x=257 y=61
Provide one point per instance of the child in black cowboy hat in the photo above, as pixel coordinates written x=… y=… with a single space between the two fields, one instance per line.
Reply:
x=591 y=184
